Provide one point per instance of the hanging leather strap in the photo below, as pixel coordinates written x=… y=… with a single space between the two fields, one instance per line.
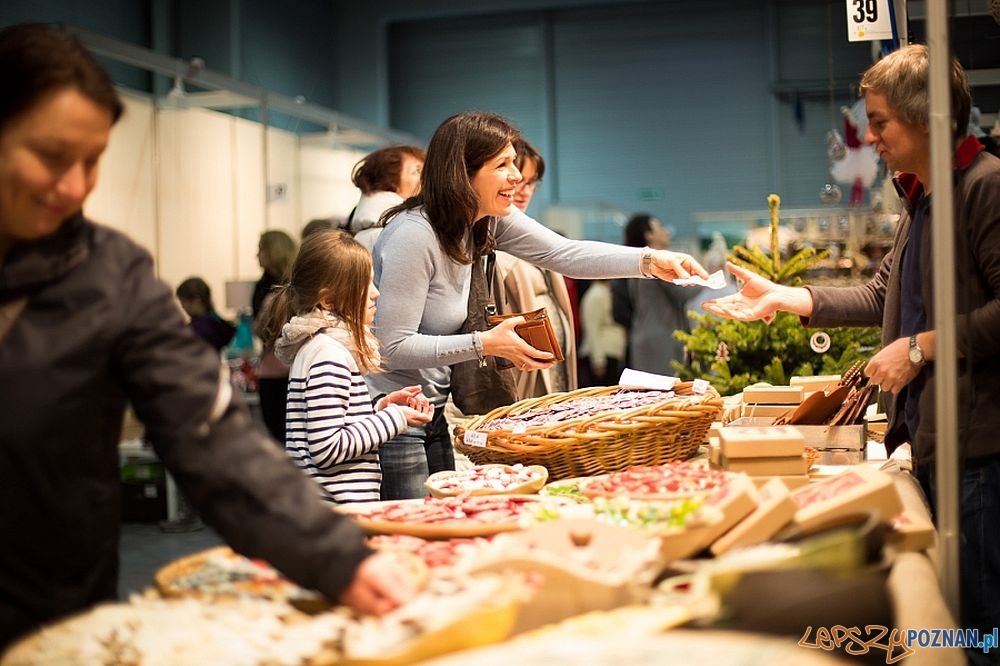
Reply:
x=8 y=314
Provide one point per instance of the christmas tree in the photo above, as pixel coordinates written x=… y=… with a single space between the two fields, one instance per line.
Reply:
x=734 y=354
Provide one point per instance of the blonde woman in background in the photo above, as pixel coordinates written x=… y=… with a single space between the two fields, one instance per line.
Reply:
x=275 y=253
x=528 y=287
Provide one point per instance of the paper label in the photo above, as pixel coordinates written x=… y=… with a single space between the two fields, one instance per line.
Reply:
x=475 y=438
x=716 y=280
x=636 y=379
x=868 y=20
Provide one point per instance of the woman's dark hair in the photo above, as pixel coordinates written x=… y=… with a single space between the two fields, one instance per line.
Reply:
x=196 y=289
x=461 y=145
x=38 y=59
x=379 y=171
x=636 y=229
x=526 y=151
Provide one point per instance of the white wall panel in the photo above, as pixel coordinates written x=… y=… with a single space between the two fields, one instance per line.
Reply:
x=325 y=182
x=196 y=211
x=125 y=196
x=282 y=169
x=248 y=196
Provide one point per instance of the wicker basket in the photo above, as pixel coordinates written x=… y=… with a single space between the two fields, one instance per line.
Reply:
x=671 y=429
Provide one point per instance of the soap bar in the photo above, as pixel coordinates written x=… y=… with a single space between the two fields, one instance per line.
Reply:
x=911 y=532
x=858 y=489
x=761 y=442
x=771 y=412
x=775 y=508
x=810 y=383
x=770 y=466
x=773 y=395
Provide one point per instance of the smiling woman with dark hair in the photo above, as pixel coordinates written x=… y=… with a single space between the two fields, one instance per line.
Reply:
x=423 y=269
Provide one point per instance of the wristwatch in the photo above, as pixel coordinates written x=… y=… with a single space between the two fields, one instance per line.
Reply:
x=916 y=353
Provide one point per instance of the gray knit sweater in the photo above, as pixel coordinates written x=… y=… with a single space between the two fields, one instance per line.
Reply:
x=424 y=294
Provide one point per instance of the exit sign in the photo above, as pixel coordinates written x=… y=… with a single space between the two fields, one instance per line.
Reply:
x=650 y=194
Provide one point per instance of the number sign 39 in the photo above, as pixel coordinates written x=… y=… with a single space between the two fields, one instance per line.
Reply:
x=868 y=20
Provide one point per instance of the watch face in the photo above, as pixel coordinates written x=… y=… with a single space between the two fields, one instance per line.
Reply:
x=916 y=355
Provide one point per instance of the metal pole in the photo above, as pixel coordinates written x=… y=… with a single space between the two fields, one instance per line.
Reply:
x=945 y=361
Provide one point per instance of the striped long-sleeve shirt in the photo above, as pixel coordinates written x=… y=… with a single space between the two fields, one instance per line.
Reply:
x=332 y=431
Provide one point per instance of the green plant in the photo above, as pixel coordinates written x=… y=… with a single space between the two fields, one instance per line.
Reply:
x=734 y=354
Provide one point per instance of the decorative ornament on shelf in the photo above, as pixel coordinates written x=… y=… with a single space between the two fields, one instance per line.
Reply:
x=830 y=194
x=858 y=167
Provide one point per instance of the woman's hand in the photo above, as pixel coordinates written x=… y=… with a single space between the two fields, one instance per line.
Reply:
x=668 y=265
x=503 y=340
x=381 y=583
x=759 y=298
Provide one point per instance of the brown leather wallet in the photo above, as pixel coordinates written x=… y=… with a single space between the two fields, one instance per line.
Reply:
x=536 y=330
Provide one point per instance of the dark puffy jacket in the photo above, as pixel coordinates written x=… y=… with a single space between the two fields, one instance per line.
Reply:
x=99 y=330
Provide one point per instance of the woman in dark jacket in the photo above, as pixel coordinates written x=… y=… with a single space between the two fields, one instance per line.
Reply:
x=84 y=327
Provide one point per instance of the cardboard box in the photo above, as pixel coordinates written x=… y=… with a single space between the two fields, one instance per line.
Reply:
x=773 y=395
x=791 y=481
x=859 y=489
x=837 y=445
x=734 y=504
x=783 y=466
x=911 y=531
x=771 y=412
x=761 y=441
x=775 y=508
x=812 y=383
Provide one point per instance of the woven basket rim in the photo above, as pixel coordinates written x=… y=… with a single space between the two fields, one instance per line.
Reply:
x=679 y=407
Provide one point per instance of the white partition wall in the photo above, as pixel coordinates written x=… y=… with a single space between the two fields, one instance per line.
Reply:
x=125 y=196
x=325 y=181
x=248 y=197
x=196 y=185
x=190 y=185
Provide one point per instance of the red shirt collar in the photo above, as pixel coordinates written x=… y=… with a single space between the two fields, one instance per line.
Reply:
x=966 y=152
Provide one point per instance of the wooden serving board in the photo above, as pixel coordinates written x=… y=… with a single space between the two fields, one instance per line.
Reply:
x=539 y=475
x=450 y=529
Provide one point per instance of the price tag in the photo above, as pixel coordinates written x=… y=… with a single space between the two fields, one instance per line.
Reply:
x=868 y=20
x=636 y=379
x=475 y=438
x=700 y=386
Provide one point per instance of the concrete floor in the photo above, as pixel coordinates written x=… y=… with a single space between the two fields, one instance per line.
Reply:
x=144 y=549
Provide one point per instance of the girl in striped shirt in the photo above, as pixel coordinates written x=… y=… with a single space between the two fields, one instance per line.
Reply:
x=320 y=325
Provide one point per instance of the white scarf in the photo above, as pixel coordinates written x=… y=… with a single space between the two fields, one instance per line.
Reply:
x=300 y=329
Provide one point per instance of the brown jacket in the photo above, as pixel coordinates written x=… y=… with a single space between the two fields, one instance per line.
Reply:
x=977 y=275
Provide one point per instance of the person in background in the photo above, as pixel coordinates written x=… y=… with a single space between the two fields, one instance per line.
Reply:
x=423 y=271
x=88 y=328
x=275 y=253
x=195 y=298
x=322 y=224
x=528 y=287
x=319 y=325
x=651 y=310
x=900 y=298
x=602 y=351
x=386 y=178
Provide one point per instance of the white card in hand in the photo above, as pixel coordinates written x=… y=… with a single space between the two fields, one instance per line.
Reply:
x=716 y=280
